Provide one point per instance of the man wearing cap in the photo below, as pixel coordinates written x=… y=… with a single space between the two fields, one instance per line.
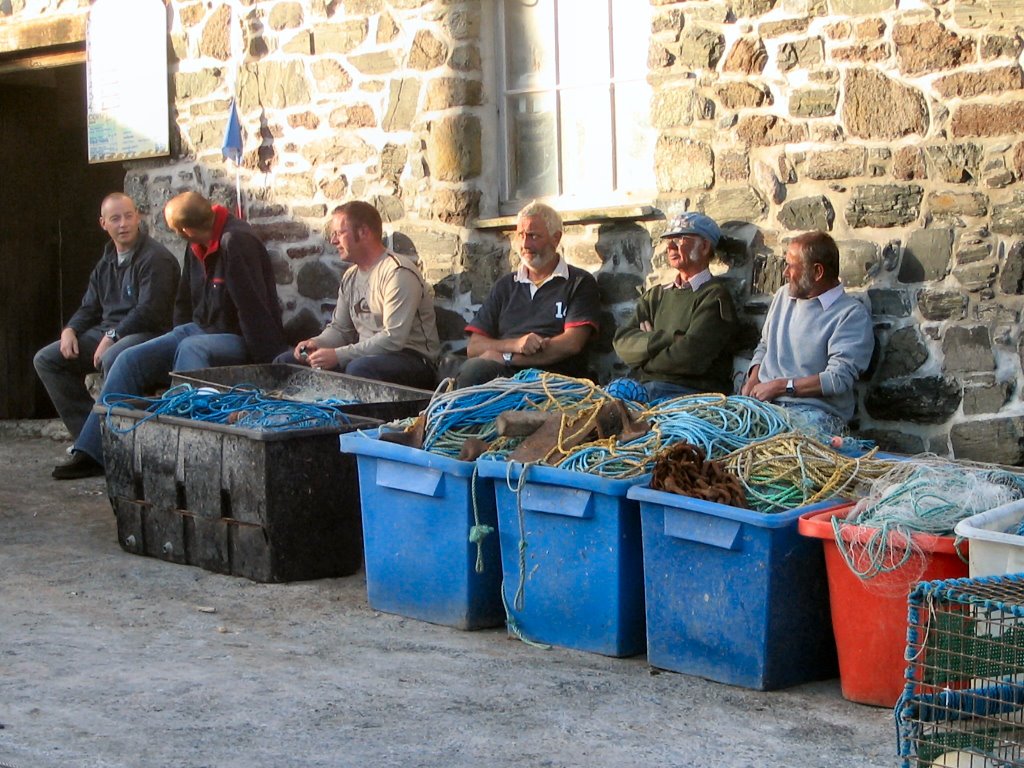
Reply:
x=816 y=339
x=541 y=316
x=679 y=340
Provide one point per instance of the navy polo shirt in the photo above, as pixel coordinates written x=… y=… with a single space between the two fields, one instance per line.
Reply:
x=509 y=311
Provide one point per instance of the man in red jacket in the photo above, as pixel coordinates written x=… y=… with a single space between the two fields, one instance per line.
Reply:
x=226 y=313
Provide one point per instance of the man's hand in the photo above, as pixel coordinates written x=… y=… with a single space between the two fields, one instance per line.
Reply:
x=323 y=358
x=529 y=344
x=530 y=341
x=748 y=386
x=766 y=391
x=646 y=326
x=105 y=343
x=69 y=344
x=304 y=348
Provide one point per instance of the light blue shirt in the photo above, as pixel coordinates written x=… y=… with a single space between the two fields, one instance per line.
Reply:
x=829 y=335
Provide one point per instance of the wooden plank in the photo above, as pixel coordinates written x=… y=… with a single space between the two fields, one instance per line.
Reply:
x=42 y=32
x=42 y=61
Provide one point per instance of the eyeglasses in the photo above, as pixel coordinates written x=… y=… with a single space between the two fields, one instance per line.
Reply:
x=676 y=243
x=336 y=234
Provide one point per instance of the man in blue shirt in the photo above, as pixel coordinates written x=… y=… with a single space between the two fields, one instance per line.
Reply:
x=816 y=339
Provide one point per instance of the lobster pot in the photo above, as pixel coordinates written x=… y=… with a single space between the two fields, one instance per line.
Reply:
x=963 y=704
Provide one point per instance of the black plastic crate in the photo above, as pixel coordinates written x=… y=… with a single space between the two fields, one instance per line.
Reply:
x=267 y=505
x=374 y=399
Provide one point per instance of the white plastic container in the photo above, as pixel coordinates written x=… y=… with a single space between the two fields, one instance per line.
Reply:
x=994 y=549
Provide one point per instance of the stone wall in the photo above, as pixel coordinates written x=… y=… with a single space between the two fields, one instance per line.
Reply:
x=374 y=100
x=897 y=126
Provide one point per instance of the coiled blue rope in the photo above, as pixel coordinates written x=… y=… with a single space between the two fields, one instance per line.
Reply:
x=452 y=417
x=242 y=406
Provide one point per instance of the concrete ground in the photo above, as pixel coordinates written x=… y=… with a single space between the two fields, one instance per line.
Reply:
x=111 y=659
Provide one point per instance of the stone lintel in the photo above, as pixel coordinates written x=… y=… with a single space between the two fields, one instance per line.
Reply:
x=43 y=32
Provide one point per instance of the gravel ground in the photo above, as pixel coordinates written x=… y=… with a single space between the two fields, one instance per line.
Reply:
x=111 y=659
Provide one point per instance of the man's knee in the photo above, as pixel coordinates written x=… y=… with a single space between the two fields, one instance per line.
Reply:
x=106 y=363
x=41 y=360
x=363 y=367
x=288 y=358
x=108 y=358
x=191 y=353
x=49 y=360
x=476 y=370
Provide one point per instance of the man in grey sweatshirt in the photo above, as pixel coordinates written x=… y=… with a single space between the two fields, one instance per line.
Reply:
x=816 y=339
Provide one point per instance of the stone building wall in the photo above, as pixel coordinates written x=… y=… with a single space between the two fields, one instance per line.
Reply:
x=899 y=128
x=897 y=125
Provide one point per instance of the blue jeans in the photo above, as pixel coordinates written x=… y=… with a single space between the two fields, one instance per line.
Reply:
x=147 y=366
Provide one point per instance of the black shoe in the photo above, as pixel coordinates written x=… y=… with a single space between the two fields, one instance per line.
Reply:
x=78 y=466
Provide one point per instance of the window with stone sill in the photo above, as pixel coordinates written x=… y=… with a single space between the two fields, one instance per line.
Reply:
x=575 y=102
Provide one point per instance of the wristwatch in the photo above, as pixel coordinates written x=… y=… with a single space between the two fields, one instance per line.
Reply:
x=111 y=334
x=506 y=356
x=790 y=388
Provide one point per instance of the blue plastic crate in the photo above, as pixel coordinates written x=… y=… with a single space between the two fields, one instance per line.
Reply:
x=581 y=574
x=733 y=595
x=417 y=510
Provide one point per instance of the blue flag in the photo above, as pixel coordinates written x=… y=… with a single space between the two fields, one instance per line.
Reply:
x=232 y=147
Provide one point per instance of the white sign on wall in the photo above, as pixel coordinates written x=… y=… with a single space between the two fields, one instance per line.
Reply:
x=126 y=66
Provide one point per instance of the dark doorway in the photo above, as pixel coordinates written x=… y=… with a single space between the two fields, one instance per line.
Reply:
x=49 y=232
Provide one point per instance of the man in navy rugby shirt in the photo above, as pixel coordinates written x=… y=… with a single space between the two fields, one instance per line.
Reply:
x=541 y=316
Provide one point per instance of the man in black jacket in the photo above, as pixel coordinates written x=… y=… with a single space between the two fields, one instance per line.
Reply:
x=129 y=300
x=227 y=313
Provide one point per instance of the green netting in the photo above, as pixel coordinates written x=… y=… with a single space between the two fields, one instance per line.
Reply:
x=958 y=652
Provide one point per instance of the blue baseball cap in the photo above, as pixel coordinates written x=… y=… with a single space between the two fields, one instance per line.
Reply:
x=694 y=224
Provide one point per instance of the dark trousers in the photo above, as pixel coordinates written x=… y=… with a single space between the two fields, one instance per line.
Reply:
x=65 y=379
x=407 y=368
x=477 y=370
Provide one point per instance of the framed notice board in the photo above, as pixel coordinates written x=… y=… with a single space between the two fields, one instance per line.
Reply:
x=126 y=66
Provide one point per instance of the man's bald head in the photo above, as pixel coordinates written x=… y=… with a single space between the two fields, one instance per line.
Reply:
x=189 y=210
x=119 y=218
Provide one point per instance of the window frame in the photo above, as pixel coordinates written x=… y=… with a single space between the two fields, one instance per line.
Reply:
x=615 y=195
